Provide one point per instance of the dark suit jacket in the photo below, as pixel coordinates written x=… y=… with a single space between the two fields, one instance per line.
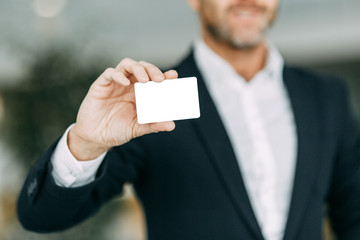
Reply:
x=190 y=184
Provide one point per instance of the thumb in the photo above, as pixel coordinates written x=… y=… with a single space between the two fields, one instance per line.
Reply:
x=162 y=126
x=156 y=127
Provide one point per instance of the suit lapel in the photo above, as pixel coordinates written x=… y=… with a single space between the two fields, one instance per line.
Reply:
x=306 y=109
x=213 y=134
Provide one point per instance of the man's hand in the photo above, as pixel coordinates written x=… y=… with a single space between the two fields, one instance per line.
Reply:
x=107 y=116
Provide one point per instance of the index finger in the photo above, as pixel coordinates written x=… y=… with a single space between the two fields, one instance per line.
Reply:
x=154 y=72
x=130 y=67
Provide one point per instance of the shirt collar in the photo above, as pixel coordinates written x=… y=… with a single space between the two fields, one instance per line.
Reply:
x=213 y=67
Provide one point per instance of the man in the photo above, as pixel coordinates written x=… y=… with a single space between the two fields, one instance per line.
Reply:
x=273 y=145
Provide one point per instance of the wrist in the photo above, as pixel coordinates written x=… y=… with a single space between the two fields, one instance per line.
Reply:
x=83 y=149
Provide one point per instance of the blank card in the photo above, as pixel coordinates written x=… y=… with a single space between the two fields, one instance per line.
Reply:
x=173 y=99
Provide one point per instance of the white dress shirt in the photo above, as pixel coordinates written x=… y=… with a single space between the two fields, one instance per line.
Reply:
x=69 y=172
x=259 y=121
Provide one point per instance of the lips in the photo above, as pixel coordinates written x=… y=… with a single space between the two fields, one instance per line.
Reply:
x=245 y=11
x=245 y=14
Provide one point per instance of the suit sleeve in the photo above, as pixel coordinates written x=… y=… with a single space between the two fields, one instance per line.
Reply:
x=43 y=206
x=344 y=196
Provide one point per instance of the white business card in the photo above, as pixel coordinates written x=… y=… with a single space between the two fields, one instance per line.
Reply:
x=173 y=99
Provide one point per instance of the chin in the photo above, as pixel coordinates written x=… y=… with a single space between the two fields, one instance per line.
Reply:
x=246 y=42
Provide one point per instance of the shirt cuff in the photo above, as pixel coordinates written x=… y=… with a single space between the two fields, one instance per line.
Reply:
x=67 y=171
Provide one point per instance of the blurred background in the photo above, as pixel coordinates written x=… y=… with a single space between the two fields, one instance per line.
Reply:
x=52 y=50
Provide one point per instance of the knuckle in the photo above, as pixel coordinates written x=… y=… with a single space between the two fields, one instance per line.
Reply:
x=155 y=69
x=153 y=66
x=126 y=61
x=148 y=65
x=138 y=67
x=108 y=71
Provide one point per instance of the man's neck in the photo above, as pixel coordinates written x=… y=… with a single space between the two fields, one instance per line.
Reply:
x=246 y=62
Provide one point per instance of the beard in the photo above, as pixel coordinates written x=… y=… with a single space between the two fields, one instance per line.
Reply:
x=239 y=41
x=244 y=38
